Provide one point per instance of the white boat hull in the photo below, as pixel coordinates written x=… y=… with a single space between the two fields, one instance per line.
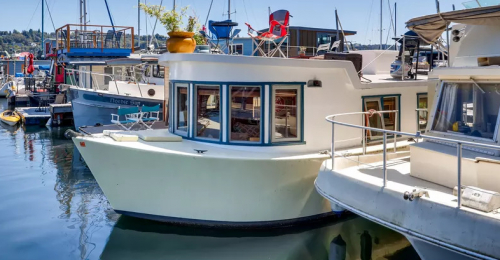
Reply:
x=9 y=122
x=175 y=186
x=436 y=228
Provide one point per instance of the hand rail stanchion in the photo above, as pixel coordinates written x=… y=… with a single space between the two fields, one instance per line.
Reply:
x=333 y=144
x=116 y=85
x=385 y=160
x=459 y=171
x=364 y=133
x=395 y=129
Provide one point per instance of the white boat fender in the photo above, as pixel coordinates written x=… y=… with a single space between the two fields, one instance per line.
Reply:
x=49 y=122
x=415 y=194
x=338 y=249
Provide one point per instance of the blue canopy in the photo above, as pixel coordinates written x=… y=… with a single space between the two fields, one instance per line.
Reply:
x=44 y=67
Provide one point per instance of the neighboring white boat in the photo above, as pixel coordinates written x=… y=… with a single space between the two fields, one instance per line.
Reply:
x=5 y=87
x=125 y=82
x=444 y=197
x=246 y=138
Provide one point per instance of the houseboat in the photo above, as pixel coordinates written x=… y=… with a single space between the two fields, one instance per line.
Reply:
x=445 y=195
x=97 y=65
x=246 y=138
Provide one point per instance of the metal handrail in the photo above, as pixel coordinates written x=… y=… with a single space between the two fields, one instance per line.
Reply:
x=459 y=144
x=94 y=73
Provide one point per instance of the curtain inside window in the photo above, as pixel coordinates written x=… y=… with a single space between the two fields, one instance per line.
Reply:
x=446 y=109
x=479 y=122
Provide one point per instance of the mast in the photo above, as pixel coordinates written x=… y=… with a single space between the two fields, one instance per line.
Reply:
x=337 y=22
x=229 y=10
x=85 y=15
x=43 y=45
x=381 y=24
x=395 y=17
x=139 y=22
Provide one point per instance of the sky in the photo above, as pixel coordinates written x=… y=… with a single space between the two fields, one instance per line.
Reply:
x=362 y=16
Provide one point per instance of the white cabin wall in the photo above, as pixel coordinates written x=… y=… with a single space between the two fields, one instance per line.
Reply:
x=465 y=52
x=337 y=95
x=377 y=61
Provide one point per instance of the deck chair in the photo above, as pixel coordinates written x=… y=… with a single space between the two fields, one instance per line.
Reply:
x=279 y=22
x=130 y=114
x=219 y=33
x=109 y=38
x=148 y=115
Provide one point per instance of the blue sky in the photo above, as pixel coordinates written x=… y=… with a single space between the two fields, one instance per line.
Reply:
x=362 y=16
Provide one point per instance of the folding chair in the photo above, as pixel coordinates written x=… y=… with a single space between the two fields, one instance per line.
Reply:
x=109 y=38
x=118 y=36
x=148 y=115
x=279 y=22
x=130 y=114
x=219 y=33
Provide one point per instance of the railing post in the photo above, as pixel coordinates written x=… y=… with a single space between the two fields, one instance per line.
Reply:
x=385 y=159
x=395 y=129
x=459 y=171
x=68 y=33
x=364 y=134
x=333 y=144
x=403 y=59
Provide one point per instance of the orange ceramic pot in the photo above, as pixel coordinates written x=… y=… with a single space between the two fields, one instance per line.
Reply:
x=181 y=42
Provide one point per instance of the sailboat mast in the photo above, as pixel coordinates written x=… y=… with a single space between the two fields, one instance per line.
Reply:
x=395 y=17
x=139 y=22
x=381 y=24
x=229 y=10
x=43 y=45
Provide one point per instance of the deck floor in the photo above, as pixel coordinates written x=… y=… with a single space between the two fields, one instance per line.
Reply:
x=99 y=129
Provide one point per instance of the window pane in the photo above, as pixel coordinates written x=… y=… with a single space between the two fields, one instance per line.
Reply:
x=182 y=109
x=422 y=115
x=245 y=114
x=374 y=120
x=390 y=103
x=285 y=116
x=208 y=111
x=464 y=109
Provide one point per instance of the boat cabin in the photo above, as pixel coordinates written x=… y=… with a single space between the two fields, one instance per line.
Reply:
x=256 y=101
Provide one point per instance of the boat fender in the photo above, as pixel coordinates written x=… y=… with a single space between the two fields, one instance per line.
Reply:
x=338 y=249
x=70 y=134
x=415 y=194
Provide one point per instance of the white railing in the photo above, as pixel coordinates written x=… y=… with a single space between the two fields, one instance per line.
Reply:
x=459 y=144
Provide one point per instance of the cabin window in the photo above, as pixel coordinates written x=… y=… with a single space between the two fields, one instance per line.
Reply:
x=388 y=121
x=208 y=112
x=422 y=103
x=237 y=48
x=468 y=109
x=286 y=113
x=182 y=115
x=158 y=71
x=245 y=114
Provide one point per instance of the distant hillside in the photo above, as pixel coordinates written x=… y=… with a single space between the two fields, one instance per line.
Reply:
x=29 y=41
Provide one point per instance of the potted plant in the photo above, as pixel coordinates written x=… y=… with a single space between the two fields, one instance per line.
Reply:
x=181 y=39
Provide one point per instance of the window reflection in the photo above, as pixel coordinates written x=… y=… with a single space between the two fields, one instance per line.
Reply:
x=182 y=109
x=285 y=116
x=208 y=112
x=245 y=114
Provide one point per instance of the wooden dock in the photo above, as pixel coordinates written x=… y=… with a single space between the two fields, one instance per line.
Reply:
x=34 y=115
x=99 y=129
x=61 y=114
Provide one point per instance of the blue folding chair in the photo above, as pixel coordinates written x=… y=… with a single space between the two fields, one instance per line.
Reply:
x=224 y=33
x=130 y=114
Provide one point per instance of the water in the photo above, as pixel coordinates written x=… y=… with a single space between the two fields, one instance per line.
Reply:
x=51 y=207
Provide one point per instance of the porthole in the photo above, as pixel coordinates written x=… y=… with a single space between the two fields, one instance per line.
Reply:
x=151 y=92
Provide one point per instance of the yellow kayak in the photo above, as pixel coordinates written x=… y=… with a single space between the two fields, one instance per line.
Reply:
x=10 y=117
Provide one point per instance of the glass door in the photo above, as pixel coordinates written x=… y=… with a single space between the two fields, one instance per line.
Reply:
x=375 y=120
x=422 y=115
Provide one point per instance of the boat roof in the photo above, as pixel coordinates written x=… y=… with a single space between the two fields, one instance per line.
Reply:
x=430 y=27
x=133 y=60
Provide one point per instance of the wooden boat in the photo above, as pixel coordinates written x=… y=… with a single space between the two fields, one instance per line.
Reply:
x=10 y=117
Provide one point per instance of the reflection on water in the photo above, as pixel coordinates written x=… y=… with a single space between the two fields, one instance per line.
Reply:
x=52 y=208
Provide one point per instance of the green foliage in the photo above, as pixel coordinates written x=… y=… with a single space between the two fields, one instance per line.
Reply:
x=200 y=40
x=171 y=19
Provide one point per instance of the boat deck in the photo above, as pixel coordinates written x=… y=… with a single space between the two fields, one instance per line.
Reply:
x=387 y=80
x=100 y=129
x=34 y=115
x=399 y=179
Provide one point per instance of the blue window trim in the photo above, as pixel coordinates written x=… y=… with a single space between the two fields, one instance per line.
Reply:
x=195 y=113
x=417 y=114
x=381 y=100
x=225 y=127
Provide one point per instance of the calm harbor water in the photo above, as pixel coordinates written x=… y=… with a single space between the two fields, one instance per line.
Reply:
x=51 y=207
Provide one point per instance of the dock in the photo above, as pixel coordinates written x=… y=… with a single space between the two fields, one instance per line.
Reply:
x=61 y=114
x=89 y=130
x=34 y=115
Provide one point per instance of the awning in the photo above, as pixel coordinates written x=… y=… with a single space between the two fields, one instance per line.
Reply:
x=430 y=27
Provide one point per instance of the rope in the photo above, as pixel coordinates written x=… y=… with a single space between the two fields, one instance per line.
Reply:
x=50 y=15
x=244 y=6
x=154 y=28
x=33 y=15
x=369 y=18
x=209 y=9
x=376 y=57
x=392 y=22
